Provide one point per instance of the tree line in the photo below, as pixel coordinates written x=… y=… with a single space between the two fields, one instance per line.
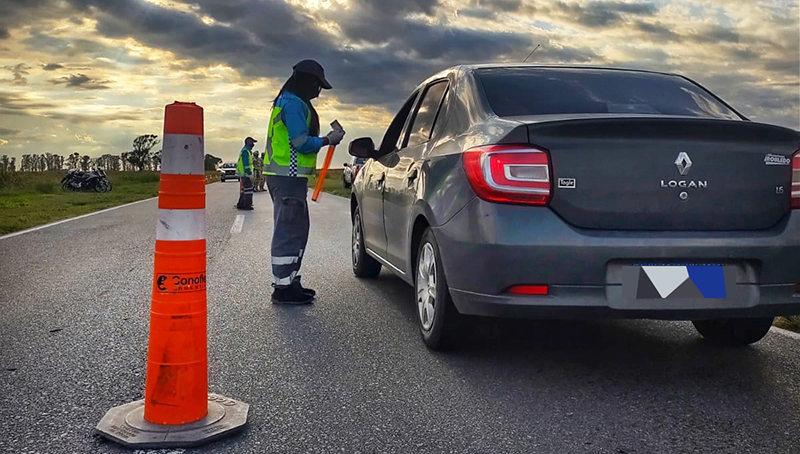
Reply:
x=140 y=158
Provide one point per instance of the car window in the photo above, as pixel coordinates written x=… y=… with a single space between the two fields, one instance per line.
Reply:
x=540 y=91
x=392 y=137
x=422 y=125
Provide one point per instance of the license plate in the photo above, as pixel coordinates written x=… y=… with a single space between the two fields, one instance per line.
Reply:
x=666 y=282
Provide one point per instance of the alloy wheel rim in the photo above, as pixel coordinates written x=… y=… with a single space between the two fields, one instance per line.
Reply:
x=426 y=286
x=356 y=239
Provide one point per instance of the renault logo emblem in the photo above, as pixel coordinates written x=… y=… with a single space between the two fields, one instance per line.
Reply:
x=684 y=163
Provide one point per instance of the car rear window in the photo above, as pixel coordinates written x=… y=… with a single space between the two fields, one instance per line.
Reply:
x=540 y=91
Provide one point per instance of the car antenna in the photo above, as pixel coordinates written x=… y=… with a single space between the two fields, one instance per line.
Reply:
x=529 y=55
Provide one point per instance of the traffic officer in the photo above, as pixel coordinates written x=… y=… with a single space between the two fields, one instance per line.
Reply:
x=244 y=168
x=258 y=177
x=293 y=142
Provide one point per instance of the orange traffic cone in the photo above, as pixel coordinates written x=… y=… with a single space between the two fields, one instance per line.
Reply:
x=177 y=410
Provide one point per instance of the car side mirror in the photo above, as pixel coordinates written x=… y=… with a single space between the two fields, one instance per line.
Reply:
x=346 y=164
x=362 y=147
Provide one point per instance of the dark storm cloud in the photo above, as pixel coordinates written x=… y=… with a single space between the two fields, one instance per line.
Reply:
x=504 y=5
x=52 y=66
x=265 y=38
x=13 y=104
x=81 y=81
x=747 y=94
x=489 y=9
x=461 y=44
x=16 y=13
x=81 y=48
x=18 y=72
x=789 y=66
x=657 y=31
x=390 y=8
x=744 y=55
x=382 y=54
x=603 y=13
x=716 y=34
x=478 y=13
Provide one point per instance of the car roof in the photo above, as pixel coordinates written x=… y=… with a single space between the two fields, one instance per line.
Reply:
x=559 y=67
x=479 y=66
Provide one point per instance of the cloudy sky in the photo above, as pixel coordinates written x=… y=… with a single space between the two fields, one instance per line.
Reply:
x=88 y=76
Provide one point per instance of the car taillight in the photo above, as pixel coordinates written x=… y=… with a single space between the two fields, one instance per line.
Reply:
x=517 y=174
x=796 y=180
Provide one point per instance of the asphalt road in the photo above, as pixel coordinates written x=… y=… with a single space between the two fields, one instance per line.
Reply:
x=349 y=374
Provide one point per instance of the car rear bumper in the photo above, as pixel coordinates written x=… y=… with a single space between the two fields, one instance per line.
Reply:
x=606 y=302
x=487 y=248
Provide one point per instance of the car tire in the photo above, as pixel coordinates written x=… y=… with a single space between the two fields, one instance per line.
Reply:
x=345 y=183
x=363 y=265
x=734 y=331
x=222 y=179
x=439 y=320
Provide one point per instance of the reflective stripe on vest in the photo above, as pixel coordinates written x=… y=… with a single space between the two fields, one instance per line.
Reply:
x=240 y=164
x=281 y=157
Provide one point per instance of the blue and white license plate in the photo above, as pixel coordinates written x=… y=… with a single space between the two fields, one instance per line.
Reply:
x=655 y=281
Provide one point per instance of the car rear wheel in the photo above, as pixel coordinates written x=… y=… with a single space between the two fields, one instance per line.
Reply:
x=345 y=183
x=363 y=264
x=735 y=331
x=439 y=321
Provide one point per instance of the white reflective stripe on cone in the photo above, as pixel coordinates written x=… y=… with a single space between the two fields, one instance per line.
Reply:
x=284 y=260
x=181 y=225
x=183 y=154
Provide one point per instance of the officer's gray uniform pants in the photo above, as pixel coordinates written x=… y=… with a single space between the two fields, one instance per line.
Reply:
x=245 y=193
x=290 y=231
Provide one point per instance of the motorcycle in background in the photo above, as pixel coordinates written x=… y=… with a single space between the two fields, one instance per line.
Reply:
x=78 y=181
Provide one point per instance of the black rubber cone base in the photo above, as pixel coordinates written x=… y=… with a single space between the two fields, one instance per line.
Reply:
x=126 y=425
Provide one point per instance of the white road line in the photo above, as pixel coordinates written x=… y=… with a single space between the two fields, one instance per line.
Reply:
x=785 y=332
x=33 y=229
x=238 y=223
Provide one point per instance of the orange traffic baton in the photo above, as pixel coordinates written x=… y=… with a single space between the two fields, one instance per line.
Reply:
x=324 y=171
x=177 y=410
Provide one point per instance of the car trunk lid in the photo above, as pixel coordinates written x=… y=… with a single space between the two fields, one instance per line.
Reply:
x=666 y=173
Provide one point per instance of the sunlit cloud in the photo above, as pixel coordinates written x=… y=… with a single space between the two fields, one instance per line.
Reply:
x=77 y=69
x=81 y=81
x=85 y=138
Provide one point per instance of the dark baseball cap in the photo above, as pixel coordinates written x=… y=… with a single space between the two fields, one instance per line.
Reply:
x=315 y=69
x=250 y=139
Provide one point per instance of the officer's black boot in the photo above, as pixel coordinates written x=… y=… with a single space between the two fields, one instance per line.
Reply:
x=307 y=291
x=291 y=295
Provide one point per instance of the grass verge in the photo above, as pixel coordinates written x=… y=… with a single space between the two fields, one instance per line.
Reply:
x=333 y=183
x=791 y=323
x=31 y=199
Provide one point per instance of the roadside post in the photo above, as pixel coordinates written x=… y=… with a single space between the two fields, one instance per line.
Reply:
x=324 y=171
x=177 y=410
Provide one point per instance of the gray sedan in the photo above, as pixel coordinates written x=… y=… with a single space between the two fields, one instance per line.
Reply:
x=560 y=192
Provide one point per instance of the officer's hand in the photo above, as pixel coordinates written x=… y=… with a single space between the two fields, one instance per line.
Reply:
x=335 y=137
